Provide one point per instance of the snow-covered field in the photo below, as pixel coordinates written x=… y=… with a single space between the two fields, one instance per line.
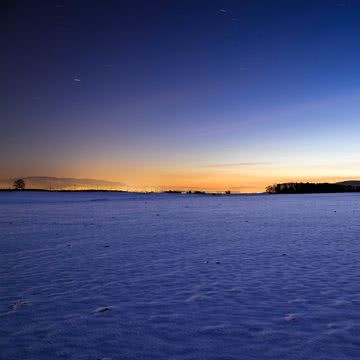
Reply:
x=127 y=276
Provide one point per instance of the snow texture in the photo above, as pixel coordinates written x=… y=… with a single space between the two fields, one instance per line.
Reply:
x=130 y=276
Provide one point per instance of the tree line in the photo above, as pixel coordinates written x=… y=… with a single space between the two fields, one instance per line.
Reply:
x=310 y=188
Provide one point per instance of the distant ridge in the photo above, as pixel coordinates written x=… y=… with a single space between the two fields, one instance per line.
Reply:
x=56 y=183
x=355 y=183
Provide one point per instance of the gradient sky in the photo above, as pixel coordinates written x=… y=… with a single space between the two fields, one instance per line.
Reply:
x=181 y=94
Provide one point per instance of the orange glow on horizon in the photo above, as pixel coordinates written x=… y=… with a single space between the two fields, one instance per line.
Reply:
x=237 y=179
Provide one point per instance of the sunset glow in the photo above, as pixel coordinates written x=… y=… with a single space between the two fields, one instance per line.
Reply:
x=178 y=95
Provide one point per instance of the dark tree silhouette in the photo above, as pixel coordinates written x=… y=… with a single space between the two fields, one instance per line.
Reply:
x=309 y=188
x=19 y=184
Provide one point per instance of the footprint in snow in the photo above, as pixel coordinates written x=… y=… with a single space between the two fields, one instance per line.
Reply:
x=291 y=317
x=18 y=304
x=341 y=303
x=102 y=309
x=196 y=298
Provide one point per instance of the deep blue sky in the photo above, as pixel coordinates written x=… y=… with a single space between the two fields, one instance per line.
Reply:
x=156 y=93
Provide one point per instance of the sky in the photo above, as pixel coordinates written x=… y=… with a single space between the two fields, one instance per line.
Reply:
x=210 y=95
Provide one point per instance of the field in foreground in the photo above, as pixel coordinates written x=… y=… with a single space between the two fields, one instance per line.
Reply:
x=129 y=276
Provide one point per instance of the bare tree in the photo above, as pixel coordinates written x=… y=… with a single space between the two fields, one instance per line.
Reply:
x=19 y=184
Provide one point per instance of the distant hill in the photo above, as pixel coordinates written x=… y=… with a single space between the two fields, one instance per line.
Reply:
x=55 y=183
x=355 y=183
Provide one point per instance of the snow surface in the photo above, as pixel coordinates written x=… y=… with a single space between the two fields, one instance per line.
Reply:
x=129 y=276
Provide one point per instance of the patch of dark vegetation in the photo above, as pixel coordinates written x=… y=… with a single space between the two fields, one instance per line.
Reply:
x=311 y=188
